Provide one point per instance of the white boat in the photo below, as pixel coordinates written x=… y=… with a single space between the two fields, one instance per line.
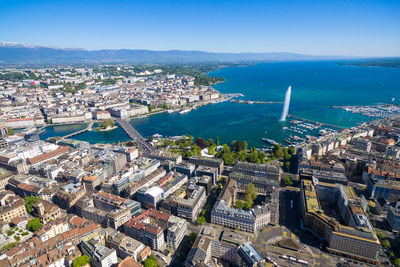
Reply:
x=184 y=111
x=269 y=141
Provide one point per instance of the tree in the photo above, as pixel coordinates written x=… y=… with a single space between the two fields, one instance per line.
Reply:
x=201 y=220
x=107 y=123
x=397 y=262
x=10 y=131
x=287 y=180
x=239 y=205
x=210 y=142
x=151 y=261
x=29 y=201
x=196 y=150
x=386 y=243
x=201 y=143
x=217 y=141
x=287 y=165
x=246 y=206
x=192 y=236
x=211 y=150
x=81 y=261
x=380 y=234
x=237 y=146
x=291 y=150
x=250 y=194
x=34 y=225
x=277 y=151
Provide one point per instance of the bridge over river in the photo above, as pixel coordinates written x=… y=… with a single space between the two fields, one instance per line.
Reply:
x=140 y=141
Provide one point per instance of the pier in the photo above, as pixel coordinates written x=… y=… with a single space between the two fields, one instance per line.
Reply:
x=316 y=122
x=89 y=127
x=134 y=135
x=255 y=102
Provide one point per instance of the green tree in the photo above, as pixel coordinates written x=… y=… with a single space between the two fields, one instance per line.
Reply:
x=246 y=206
x=386 y=243
x=287 y=180
x=151 y=261
x=11 y=131
x=239 y=204
x=210 y=142
x=291 y=150
x=192 y=236
x=107 y=123
x=81 y=261
x=397 y=262
x=211 y=150
x=201 y=220
x=217 y=141
x=241 y=155
x=237 y=146
x=196 y=150
x=34 y=225
x=8 y=246
x=287 y=165
x=277 y=151
x=380 y=234
x=250 y=194
x=29 y=201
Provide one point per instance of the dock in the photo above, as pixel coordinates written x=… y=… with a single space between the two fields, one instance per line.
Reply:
x=255 y=102
x=89 y=127
x=315 y=122
x=135 y=136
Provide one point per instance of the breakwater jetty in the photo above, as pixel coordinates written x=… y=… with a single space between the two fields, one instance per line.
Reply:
x=315 y=122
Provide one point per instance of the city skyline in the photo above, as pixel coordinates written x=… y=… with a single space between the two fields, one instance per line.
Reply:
x=359 y=28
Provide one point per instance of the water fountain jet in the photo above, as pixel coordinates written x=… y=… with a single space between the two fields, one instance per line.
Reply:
x=286 y=104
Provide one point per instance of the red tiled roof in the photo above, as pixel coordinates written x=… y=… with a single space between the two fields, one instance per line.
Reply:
x=45 y=156
x=19 y=119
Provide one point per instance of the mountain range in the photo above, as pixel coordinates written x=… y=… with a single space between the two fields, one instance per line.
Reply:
x=13 y=53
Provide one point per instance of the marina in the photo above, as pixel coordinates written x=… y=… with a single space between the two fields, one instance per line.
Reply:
x=373 y=111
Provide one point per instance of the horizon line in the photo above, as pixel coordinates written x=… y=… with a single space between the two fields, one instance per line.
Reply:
x=10 y=44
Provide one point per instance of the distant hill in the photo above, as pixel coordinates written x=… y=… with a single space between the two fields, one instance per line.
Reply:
x=380 y=62
x=12 y=53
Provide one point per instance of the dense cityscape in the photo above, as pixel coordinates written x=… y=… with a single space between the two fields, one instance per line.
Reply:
x=331 y=200
x=199 y=133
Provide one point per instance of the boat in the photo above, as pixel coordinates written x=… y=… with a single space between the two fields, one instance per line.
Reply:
x=287 y=140
x=269 y=141
x=184 y=111
x=171 y=111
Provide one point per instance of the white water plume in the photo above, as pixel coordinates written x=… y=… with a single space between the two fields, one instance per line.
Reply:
x=286 y=104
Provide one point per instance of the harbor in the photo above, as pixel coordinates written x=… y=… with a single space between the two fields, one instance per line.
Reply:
x=373 y=111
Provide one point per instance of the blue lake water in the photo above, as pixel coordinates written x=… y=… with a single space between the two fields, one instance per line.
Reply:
x=316 y=87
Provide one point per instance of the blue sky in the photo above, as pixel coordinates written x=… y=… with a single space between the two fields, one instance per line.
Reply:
x=351 y=28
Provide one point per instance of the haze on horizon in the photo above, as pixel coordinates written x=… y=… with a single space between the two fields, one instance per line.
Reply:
x=361 y=28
